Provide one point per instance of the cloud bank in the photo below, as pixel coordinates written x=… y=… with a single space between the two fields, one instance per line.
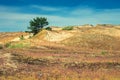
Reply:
x=17 y=18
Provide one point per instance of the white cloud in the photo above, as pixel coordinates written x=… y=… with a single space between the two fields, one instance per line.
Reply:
x=45 y=8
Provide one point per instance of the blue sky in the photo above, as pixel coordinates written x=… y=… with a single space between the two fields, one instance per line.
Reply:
x=16 y=14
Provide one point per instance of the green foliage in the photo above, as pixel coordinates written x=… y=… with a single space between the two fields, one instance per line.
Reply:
x=21 y=37
x=37 y=24
x=68 y=28
x=48 y=28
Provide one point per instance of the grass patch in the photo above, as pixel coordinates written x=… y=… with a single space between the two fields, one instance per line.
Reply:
x=17 y=45
x=103 y=52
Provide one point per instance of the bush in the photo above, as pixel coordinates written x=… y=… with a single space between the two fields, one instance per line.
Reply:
x=30 y=37
x=103 y=52
x=21 y=37
x=68 y=28
x=1 y=46
x=48 y=28
x=8 y=44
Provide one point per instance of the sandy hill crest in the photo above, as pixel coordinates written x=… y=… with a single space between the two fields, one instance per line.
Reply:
x=53 y=36
x=85 y=37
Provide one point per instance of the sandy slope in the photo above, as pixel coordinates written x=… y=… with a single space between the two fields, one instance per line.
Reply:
x=57 y=36
x=53 y=36
x=18 y=39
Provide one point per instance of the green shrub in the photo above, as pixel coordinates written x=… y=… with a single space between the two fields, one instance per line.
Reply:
x=7 y=44
x=1 y=46
x=48 y=28
x=103 y=52
x=30 y=37
x=68 y=28
x=21 y=37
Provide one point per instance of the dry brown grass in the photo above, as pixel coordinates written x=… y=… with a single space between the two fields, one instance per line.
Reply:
x=92 y=53
x=8 y=36
x=95 y=38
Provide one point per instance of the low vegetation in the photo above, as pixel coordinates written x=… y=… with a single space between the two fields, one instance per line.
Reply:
x=68 y=28
x=1 y=46
x=17 y=45
x=105 y=25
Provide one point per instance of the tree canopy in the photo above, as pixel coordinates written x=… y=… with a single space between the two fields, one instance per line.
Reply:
x=36 y=24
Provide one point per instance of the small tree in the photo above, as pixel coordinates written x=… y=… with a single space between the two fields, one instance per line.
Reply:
x=37 y=24
x=48 y=28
